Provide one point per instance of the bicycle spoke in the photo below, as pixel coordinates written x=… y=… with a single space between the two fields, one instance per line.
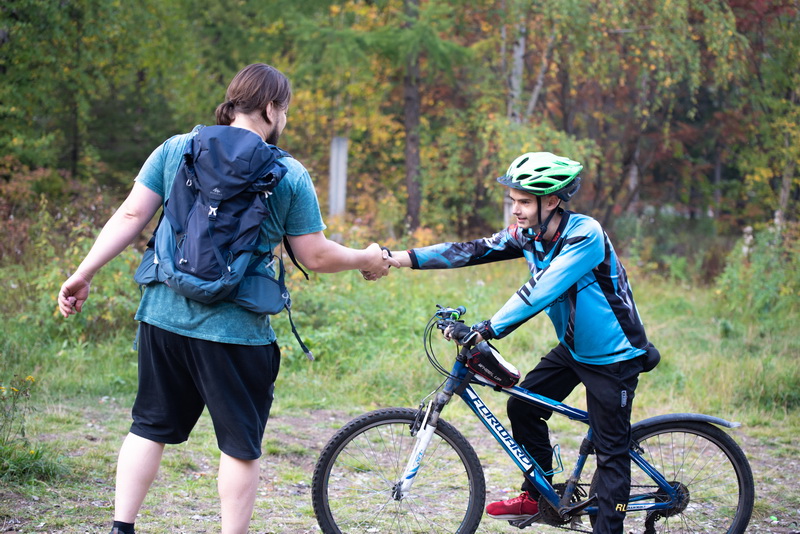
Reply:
x=706 y=467
x=364 y=469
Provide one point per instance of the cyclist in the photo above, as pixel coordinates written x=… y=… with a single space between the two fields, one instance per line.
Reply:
x=578 y=280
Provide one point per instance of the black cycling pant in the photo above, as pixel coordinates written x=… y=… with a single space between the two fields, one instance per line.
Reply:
x=609 y=397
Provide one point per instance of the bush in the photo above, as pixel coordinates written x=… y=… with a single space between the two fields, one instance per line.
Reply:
x=28 y=194
x=768 y=382
x=55 y=250
x=22 y=464
x=14 y=407
x=668 y=243
x=51 y=221
x=757 y=308
x=19 y=461
x=760 y=286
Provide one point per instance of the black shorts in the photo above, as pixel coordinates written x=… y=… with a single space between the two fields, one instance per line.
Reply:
x=179 y=376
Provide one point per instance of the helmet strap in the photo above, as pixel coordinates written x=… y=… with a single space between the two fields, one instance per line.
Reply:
x=542 y=228
x=543 y=225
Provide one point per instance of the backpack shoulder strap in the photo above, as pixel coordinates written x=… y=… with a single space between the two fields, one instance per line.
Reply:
x=290 y=252
x=188 y=151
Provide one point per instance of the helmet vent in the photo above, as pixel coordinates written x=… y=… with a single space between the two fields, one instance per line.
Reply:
x=523 y=162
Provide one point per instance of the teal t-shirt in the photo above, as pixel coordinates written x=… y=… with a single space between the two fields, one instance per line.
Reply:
x=294 y=210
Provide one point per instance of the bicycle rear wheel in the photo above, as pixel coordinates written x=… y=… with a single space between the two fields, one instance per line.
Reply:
x=355 y=476
x=710 y=470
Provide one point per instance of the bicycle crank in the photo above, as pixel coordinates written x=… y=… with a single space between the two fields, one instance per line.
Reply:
x=549 y=516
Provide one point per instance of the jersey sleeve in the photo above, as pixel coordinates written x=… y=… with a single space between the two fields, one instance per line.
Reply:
x=498 y=247
x=151 y=175
x=583 y=249
x=304 y=215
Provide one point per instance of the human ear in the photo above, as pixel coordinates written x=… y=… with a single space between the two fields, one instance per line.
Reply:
x=270 y=113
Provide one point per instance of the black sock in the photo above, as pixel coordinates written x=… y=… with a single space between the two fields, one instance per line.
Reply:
x=123 y=528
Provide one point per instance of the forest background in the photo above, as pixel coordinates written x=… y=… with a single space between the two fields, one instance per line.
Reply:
x=685 y=114
x=685 y=110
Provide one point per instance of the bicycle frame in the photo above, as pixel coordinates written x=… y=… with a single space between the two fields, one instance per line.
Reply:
x=532 y=471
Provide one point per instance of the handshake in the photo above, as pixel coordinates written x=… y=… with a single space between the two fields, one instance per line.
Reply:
x=379 y=259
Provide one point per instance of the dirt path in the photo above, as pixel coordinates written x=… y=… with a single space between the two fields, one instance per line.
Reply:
x=776 y=468
x=185 y=492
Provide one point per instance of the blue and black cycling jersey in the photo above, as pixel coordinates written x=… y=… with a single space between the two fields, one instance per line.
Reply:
x=577 y=279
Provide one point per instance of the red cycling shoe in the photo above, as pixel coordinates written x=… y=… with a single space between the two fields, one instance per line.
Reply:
x=521 y=507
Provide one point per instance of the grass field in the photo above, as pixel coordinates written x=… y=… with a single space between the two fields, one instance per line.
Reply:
x=367 y=339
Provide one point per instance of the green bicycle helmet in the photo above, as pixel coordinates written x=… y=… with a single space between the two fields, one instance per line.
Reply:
x=543 y=173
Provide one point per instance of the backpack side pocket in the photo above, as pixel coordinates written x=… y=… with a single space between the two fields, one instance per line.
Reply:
x=260 y=293
x=147 y=272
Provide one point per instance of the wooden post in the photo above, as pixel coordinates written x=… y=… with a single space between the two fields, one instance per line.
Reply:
x=338 y=177
x=508 y=218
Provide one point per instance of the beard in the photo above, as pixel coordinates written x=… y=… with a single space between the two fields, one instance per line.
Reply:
x=273 y=137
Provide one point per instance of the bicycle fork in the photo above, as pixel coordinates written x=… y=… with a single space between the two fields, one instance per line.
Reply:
x=424 y=428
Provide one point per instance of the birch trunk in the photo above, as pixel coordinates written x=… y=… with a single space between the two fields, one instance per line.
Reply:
x=411 y=113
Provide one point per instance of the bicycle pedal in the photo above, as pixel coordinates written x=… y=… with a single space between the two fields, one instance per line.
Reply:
x=522 y=523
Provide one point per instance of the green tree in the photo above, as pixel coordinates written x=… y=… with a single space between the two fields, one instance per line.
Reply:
x=88 y=81
x=684 y=102
x=769 y=155
x=380 y=56
x=618 y=82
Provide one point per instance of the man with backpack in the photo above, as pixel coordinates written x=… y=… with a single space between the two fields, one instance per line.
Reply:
x=578 y=280
x=219 y=352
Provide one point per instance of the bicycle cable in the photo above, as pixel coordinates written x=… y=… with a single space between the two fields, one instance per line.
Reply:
x=427 y=342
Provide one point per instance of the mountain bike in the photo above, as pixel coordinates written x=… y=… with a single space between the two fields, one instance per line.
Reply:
x=408 y=470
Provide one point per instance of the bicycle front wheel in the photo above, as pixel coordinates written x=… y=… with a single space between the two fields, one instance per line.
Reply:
x=710 y=471
x=357 y=470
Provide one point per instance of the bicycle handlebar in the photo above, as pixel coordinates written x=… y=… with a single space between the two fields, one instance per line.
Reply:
x=450 y=314
x=447 y=317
